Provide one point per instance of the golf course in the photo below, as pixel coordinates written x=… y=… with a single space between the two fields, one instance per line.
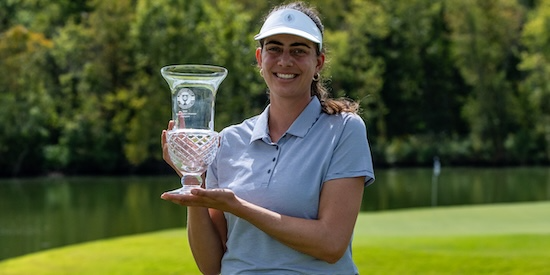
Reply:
x=475 y=239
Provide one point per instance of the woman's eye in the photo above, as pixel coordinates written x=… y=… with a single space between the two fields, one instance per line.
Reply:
x=274 y=49
x=298 y=51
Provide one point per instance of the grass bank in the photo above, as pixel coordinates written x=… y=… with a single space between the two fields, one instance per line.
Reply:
x=485 y=239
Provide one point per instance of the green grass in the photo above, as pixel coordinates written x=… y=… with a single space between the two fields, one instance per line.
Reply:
x=487 y=239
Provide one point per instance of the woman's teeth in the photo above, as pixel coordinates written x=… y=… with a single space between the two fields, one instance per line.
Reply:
x=286 y=76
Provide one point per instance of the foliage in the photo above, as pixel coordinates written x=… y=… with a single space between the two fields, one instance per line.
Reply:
x=421 y=89
x=536 y=63
x=359 y=75
x=27 y=111
x=81 y=91
x=485 y=37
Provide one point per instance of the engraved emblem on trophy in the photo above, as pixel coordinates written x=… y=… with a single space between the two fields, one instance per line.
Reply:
x=192 y=142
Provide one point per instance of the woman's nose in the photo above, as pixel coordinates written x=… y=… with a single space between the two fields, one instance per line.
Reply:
x=286 y=59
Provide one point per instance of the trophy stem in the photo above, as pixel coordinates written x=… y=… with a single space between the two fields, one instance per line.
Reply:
x=188 y=183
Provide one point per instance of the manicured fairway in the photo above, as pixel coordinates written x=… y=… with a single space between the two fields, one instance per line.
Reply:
x=486 y=239
x=490 y=239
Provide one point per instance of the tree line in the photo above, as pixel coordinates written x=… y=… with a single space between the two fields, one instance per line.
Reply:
x=81 y=91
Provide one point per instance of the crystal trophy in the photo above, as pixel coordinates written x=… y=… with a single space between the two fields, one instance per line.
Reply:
x=192 y=142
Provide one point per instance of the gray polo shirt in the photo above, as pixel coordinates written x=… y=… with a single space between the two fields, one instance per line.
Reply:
x=286 y=177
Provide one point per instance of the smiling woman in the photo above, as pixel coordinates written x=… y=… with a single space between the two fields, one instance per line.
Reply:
x=291 y=178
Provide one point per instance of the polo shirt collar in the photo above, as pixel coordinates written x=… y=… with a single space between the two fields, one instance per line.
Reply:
x=300 y=127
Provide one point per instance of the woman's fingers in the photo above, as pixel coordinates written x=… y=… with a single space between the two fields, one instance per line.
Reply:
x=211 y=198
x=164 y=145
x=163 y=134
x=185 y=199
x=181 y=120
x=175 y=198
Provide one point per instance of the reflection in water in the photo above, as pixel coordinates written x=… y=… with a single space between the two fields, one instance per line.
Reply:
x=39 y=214
x=405 y=188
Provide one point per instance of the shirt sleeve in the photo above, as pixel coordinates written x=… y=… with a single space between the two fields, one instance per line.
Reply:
x=352 y=156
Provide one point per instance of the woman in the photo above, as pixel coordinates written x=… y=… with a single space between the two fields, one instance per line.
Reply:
x=285 y=189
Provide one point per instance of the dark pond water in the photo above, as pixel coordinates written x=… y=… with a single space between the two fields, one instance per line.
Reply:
x=38 y=214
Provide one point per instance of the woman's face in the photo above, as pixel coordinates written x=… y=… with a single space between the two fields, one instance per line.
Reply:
x=288 y=64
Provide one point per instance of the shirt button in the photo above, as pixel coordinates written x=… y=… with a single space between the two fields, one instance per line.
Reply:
x=269 y=171
x=274 y=159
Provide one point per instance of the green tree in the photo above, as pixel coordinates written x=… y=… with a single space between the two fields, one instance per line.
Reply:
x=422 y=87
x=354 y=71
x=485 y=36
x=27 y=110
x=41 y=16
x=93 y=64
x=536 y=63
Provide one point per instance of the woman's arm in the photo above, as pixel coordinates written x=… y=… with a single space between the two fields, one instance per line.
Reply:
x=325 y=238
x=207 y=234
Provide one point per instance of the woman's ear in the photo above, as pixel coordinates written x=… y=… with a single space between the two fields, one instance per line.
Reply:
x=320 y=61
x=259 y=56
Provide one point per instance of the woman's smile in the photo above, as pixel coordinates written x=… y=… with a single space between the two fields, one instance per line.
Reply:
x=286 y=76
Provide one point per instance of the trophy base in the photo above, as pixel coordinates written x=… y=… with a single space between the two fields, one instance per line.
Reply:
x=185 y=190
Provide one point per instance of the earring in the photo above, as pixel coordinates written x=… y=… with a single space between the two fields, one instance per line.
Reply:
x=262 y=72
x=316 y=77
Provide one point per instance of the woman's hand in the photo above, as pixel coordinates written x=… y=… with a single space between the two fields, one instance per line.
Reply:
x=164 y=145
x=165 y=154
x=221 y=199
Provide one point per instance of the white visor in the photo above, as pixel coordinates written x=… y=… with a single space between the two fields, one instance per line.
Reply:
x=290 y=21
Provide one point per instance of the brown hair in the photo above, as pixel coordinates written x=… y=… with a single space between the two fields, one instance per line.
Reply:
x=329 y=104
